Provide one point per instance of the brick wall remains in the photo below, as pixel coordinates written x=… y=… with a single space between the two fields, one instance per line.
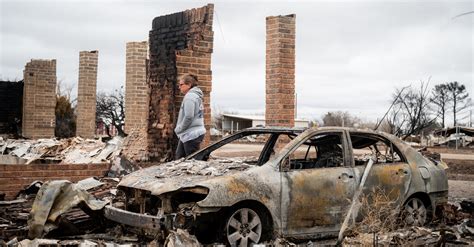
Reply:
x=179 y=43
x=14 y=178
x=280 y=71
x=11 y=94
x=39 y=99
x=86 y=94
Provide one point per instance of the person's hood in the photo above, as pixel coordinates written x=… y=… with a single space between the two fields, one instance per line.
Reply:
x=196 y=92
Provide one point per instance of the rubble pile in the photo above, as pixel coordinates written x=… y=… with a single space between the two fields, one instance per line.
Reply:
x=413 y=236
x=14 y=215
x=69 y=151
x=13 y=218
x=454 y=212
x=455 y=226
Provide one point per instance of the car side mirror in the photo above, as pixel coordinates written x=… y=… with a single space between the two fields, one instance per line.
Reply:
x=285 y=164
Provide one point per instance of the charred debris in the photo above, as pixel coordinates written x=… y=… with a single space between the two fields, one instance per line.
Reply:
x=60 y=212
x=65 y=213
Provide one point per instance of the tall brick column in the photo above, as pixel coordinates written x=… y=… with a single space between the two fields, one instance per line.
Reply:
x=86 y=93
x=39 y=99
x=136 y=87
x=137 y=99
x=179 y=43
x=280 y=71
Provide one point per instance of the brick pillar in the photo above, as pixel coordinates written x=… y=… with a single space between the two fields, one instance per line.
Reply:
x=136 y=88
x=86 y=93
x=137 y=98
x=39 y=99
x=179 y=43
x=280 y=71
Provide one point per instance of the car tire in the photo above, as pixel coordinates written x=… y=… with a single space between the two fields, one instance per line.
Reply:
x=415 y=212
x=245 y=226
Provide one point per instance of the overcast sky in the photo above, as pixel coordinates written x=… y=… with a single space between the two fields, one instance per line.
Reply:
x=350 y=55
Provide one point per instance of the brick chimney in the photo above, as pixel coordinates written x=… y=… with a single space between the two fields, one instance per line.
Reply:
x=136 y=94
x=280 y=71
x=86 y=93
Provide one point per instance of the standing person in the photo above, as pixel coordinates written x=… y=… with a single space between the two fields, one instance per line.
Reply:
x=190 y=127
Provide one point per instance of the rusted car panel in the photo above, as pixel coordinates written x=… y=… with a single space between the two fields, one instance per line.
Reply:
x=261 y=184
x=304 y=196
x=434 y=182
x=316 y=200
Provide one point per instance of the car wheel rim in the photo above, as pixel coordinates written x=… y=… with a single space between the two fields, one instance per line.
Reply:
x=244 y=227
x=415 y=212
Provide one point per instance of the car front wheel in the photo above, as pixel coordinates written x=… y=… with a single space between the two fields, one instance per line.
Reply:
x=415 y=212
x=243 y=227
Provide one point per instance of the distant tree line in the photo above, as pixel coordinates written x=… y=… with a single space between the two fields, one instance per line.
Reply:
x=414 y=110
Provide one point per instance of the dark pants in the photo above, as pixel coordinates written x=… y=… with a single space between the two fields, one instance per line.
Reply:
x=189 y=147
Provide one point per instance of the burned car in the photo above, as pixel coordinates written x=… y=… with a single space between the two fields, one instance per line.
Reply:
x=290 y=183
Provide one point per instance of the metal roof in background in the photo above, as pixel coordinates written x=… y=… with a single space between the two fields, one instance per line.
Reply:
x=469 y=131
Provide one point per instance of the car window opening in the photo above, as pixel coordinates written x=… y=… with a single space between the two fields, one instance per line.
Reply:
x=320 y=151
x=368 y=147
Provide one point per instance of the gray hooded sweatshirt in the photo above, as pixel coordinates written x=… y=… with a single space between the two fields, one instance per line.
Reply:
x=191 y=116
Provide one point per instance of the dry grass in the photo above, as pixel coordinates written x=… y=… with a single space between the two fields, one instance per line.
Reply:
x=379 y=213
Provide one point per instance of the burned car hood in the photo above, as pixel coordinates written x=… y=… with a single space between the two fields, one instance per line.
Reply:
x=180 y=174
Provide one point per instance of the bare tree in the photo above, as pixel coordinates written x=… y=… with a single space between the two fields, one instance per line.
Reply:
x=340 y=118
x=410 y=112
x=216 y=117
x=459 y=98
x=110 y=110
x=65 y=112
x=392 y=123
x=440 y=97
x=388 y=122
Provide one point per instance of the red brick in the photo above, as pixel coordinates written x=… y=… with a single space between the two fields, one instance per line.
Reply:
x=12 y=179
x=86 y=96
x=280 y=64
x=39 y=99
x=195 y=28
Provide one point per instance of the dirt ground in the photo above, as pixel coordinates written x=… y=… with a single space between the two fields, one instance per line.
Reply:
x=460 y=174
x=461 y=178
x=461 y=189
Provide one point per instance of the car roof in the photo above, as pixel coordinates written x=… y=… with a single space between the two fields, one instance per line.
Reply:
x=275 y=129
x=299 y=130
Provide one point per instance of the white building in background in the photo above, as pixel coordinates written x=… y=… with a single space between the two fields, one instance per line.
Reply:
x=232 y=123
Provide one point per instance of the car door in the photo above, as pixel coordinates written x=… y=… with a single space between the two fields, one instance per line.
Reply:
x=316 y=187
x=390 y=173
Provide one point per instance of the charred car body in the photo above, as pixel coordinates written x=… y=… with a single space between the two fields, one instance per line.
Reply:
x=293 y=183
